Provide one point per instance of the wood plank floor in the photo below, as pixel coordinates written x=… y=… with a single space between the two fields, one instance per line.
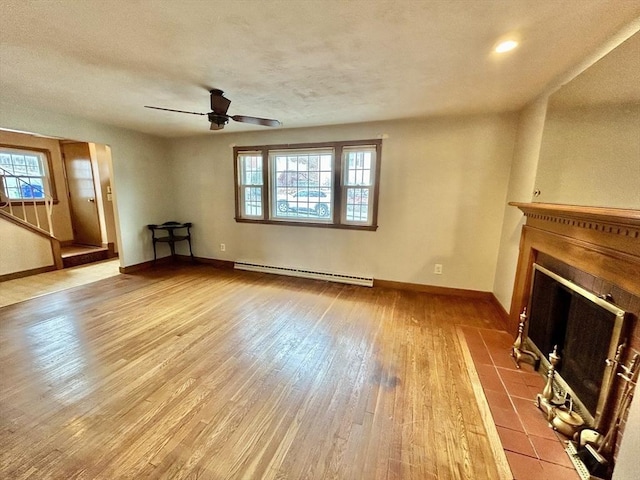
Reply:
x=193 y=372
x=20 y=289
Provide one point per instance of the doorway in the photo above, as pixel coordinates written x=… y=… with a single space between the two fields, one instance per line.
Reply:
x=87 y=169
x=82 y=194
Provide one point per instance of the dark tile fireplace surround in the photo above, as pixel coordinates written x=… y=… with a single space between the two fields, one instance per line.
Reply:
x=597 y=249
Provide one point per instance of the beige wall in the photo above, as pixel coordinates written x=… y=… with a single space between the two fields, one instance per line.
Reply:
x=22 y=249
x=60 y=215
x=141 y=173
x=442 y=192
x=521 y=187
x=591 y=156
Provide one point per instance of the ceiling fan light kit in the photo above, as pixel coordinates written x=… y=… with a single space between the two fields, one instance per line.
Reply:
x=218 y=117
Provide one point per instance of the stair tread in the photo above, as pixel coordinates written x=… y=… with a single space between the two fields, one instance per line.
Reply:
x=76 y=250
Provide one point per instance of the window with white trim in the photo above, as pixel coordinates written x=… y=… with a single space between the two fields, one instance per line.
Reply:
x=332 y=184
x=358 y=163
x=250 y=184
x=24 y=174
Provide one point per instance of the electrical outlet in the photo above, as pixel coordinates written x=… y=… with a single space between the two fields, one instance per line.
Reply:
x=223 y=247
x=437 y=269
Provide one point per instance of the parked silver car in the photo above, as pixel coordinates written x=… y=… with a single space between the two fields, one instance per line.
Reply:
x=315 y=202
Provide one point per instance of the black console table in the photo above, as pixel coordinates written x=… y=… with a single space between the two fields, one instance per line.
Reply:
x=171 y=238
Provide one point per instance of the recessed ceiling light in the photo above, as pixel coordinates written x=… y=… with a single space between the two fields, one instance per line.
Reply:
x=506 y=46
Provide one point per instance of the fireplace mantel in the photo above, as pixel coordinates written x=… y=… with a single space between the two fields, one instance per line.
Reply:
x=604 y=242
x=617 y=216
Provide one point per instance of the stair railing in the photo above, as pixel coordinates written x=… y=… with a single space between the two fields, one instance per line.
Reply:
x=7 y=203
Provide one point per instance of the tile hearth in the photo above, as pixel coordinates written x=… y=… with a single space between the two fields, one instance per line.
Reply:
x=533 y=450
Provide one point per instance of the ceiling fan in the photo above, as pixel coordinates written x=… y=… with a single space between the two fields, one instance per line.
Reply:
x=218 y=116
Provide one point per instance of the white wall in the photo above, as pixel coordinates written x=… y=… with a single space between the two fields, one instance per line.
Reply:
x=521 y=185
x=442 y=191
x=141 y=173
x=627 y=463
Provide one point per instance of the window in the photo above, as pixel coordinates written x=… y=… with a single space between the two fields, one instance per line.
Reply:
x=330 y=184
x=24 y=174
x=251 y=184
x=358 y=183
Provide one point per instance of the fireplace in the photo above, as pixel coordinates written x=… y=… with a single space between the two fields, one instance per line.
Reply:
x=587 y=331
x=598 y=250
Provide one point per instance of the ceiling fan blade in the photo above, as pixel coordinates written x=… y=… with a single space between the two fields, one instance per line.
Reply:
x=172 y=110
x=215 y=126
x=267 y=122
x=219 y=104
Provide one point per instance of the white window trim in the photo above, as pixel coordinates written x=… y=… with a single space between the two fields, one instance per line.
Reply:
x=48 y=180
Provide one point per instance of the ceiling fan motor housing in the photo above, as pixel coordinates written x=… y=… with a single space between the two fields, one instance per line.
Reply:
x=219 y=103
x=219 y=120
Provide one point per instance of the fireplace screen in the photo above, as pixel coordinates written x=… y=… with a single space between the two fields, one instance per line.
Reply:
x=587 y=331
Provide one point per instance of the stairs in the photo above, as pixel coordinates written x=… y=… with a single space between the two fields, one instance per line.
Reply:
x=35 y=215
x=74 y=255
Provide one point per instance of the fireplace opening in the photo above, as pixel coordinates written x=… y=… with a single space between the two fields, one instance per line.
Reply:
x=587 y=330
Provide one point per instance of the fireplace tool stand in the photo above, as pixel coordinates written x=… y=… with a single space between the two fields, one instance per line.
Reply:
x=518 y=352
x=595 y=450
x=629 y=375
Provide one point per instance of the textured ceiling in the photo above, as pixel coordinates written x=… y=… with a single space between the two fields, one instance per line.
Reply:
x=303 y=62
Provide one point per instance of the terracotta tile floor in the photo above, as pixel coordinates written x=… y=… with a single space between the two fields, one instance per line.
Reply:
x=533 y=450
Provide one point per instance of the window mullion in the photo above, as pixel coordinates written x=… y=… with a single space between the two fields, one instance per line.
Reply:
x=338 y=184
x=375 y=188
x=266 y=186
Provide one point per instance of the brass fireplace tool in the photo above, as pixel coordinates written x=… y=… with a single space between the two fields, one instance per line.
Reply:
x=518 y=353
x=547 y=401
x=629 y=375
x=560 y=418
x=596 y=451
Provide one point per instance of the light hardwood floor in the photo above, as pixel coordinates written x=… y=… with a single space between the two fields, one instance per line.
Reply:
x=20 y=289
x=194 y=372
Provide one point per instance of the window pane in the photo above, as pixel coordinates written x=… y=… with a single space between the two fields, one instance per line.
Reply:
x=359 y=179
x=11 y=182
x=33 y=165
x=357 y=207
x=19 y=165
x=253 y=201
x=250 y=179
x=251 y=167
x=28 y=189
x=37 y=187
x=304 y=185
x=28 y=166
x=359 y=166
x=5 y=162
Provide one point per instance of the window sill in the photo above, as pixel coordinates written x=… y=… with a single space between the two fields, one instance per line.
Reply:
x=368 y=228
x=18 y=203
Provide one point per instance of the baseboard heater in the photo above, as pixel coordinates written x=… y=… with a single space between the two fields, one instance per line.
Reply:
x=298 y=272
